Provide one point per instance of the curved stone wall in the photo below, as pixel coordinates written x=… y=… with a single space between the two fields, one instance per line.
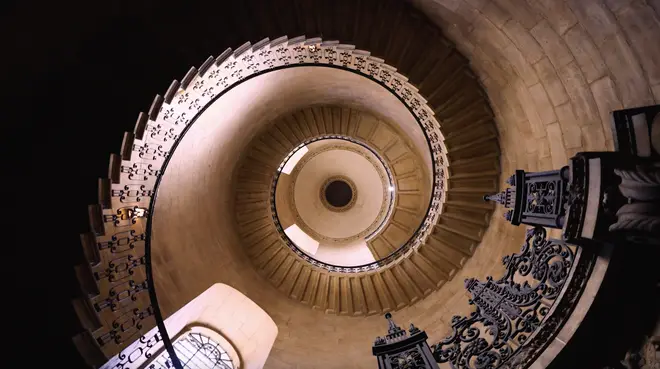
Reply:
x=554 y=70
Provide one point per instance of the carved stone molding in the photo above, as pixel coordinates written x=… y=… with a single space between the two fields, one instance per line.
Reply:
x=386 y=177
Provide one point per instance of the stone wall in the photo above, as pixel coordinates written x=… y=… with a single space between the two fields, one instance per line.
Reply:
x=553 y=70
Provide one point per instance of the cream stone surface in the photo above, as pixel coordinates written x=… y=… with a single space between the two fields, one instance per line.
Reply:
x=585 y=58
x=224 y=314
x=353 y=253
x=245 y=325
x=215 y=256
x=339 y=158
x=590 y=57
x=196 y=196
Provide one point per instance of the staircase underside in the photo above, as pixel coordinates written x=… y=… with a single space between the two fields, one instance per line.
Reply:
x=433 y=69
x=402 y=281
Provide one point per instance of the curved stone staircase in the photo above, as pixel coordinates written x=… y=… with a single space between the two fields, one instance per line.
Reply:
x=117 y=309
x=263 y=159
x=354 y=293
x=401 y=282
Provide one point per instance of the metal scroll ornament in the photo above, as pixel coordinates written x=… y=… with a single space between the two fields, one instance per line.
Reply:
x=510 y=309
x=411 y=359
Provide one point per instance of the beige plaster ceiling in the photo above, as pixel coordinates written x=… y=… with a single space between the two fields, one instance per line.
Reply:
x=331 y=158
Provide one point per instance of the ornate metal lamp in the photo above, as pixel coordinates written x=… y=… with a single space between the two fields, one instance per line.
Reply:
x=401 y=349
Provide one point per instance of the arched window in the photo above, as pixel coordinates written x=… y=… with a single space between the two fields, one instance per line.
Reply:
x=199 y=348
x=219 y=329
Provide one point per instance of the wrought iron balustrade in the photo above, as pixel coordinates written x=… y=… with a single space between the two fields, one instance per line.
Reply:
x=515 y=315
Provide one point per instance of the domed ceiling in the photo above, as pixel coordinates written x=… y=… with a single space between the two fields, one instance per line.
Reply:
x=340 y=191
x=370 y=169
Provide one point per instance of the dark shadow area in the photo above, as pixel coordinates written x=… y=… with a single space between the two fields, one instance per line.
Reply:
x=80 y=72
x=625 y=310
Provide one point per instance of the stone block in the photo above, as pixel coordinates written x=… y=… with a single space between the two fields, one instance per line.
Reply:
x=573 y=151
x=545 y=163
x=604 y=93
x=628 y=76
x=642 y=29
x=552 y=44
x=467 y=11
x=514 y=110
x=609 y=144
x=542 y=103
x=522 y=67
x=580 y=94
x=543 y=147
x=495 y=13
x=478 y=4
x=460 y=36
x=616 y=5
x=586 y=53
x=570 y=128
x=445 y=11
x=594 y=137
x=531 y=146
x=557 y=150
x=489 y=32
x=523 y=41
x=558 y=14
x=520 y=11
x=596 y=19
x=533 y=117
x=551 y=82
x=484 y=64
x=656 y=93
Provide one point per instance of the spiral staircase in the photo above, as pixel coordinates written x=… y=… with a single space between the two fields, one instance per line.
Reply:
x=427 y=75
x=395 y=284
x=439 y=217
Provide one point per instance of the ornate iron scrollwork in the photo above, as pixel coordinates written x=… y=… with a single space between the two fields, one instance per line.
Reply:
x=541 y=197
x=411 y=359
x=403 y=350
x=510 y=309
x=536 y=198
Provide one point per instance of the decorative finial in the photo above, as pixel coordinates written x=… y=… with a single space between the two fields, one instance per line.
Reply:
x=392 y=327
x=413 y=329
x=497 y=197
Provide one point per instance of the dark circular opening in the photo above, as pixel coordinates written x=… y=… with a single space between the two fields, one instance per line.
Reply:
x=338 y=193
